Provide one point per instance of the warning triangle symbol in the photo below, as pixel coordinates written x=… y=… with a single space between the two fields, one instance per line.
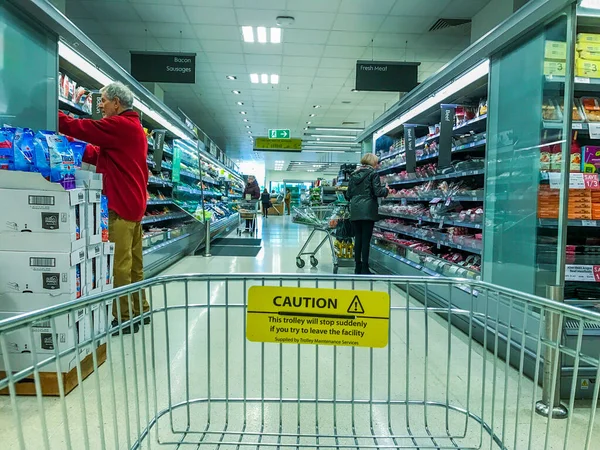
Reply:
x=356 y=306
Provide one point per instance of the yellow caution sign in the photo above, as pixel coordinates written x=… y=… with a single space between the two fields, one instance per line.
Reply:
x=289 y=315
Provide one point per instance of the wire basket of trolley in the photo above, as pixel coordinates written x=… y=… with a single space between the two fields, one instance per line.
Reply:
x=327 y=220
x=248 y=210
x=275 y=361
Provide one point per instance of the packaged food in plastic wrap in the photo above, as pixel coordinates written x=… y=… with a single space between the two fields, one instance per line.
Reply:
x=591 y=107
x=7 y=157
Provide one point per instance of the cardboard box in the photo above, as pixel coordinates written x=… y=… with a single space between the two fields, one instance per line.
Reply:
x=101 y=320
x=586 y=38
x=588 y=47
x=93 y=217
x=15 y=302
x=65 y=335
x=93 y=269
x=108 y=263
x=85 y=179
x=585 y=68
x=43 y=272
x=556 y=50
x=37 y=214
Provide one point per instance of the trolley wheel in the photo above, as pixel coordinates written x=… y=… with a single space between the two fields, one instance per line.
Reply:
x=300 y=262
x=314 y=261
x=335 y=269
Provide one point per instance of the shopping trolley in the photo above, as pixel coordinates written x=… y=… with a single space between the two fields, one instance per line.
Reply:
x=192 y=380
x=322 y=219
x=248 y=210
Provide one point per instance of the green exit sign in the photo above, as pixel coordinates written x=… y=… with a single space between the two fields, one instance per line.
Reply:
x=279 y=134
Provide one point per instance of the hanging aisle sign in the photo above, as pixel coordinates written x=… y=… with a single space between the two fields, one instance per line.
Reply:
x=388 y=76
x=266 y=144
x=410 y=144
x=446 y=133
x=153 y=67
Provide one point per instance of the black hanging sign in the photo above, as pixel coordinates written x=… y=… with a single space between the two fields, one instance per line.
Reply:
x=159 y=142
x=389 y=76
x=152 y=67
x=410 y=144
x=446 y=132
x=96 y=101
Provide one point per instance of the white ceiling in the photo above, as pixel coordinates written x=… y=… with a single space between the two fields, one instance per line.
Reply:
x=316 y=60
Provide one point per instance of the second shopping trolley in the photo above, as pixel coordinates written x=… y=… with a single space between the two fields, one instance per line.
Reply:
x=248 y=210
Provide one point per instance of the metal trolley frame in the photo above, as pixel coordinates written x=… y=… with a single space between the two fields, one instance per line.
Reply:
x=248 y=210
x=191 y=380
x=322 y=215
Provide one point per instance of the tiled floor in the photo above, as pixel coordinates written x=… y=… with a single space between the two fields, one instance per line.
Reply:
x=247 y=395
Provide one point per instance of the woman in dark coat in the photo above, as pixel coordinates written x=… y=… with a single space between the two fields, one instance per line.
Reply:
x=265 y=199
x=253 y=191
x=363 y=190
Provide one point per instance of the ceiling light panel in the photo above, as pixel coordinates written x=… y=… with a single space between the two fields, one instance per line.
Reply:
x=262 y=35
x=264 y=78
x=248 y=34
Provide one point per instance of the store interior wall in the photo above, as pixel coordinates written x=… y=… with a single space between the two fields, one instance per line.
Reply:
x=27 y=91
x=492 y=15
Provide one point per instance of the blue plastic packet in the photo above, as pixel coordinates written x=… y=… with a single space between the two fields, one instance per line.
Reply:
x=78 y=149
x=41 y=153
x=7 y=156
x=24 y=150
x=54 y=159
x=104 y=218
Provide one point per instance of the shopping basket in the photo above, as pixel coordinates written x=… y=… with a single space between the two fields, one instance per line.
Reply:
x=192 y=380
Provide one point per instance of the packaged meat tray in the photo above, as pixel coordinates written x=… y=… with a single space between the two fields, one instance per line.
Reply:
x=577 y=112
x=591 y=108
x=550 y=111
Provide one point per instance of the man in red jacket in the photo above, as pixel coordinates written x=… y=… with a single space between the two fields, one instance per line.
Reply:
x=118 y=150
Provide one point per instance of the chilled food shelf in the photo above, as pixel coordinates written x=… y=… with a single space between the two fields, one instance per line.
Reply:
x=155 y=181
x=575 y=126
x=70 y=106
x=158 y=202
x=210 y=181
x=432 y=239
x=153 y=219
x=432 y=199
x=151 y=163
x=447 y=176
x=466 y=127
x=439 y=220
x=553 y=223
x=190 y=175
x=581 y=83
x=164 y=244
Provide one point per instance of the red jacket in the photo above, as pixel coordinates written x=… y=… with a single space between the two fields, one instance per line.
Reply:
x=119 y=151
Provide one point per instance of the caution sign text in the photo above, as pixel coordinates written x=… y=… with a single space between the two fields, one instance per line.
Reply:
x=314 y=316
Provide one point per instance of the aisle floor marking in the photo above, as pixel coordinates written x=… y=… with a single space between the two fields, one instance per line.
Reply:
x=314 y=316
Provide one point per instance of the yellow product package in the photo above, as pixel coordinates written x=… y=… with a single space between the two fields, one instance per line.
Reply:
x=588 y=47
x=588 y=37
x=554 y=68
x=585 y=68
x=590 y=56
x=555 y=50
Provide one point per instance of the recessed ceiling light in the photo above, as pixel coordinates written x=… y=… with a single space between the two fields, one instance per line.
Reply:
x=247 y=126
x=261 y=32
x=254 y=78
x=275 y=35
x=237 y=92
x=331 y=136
x=231 y=77
x=246 y=120
x=316 y=106
x=243 y=112
x=354 y=130
x=354 y=90
x=311 y=115
x=305 y=128
x=264 y=78
x=249 y=132
x=240 y=103
x=274 y=79
x=308 y=123
x=248 y=34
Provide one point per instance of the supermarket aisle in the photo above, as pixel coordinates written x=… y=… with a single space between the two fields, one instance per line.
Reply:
x=202 y=353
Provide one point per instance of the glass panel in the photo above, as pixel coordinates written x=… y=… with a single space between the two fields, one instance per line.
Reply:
x=524 y=147
x=28 y=92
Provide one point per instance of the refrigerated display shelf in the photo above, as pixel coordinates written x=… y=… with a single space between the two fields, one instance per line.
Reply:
x=159 y=182
x=553 y=223
x=447 y=176
x=157 y=247
x=153 y=219
x=438 y=242
x=213 y=182
x=575 y=126
x=432 y=199
x=70 y=106
x=464 y=128
x=581 y=83
x=158 y=202
x=438 y=220
x=151 y=164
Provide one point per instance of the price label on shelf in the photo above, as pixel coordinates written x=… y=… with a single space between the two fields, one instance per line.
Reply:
x=577 y=126
x=576 y=181
x=581 y=272
x=594 y=130
x=441 y=225
x=435 y=200
x=554 y=179
x=582 y=80
x=589 y=223
x=591 y=181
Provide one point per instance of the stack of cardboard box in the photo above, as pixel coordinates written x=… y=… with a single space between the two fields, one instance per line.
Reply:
x=555 y=57
x=581 y=203
x=548 y=201
x=51 y=252
x=596 y=205
x=587 y=55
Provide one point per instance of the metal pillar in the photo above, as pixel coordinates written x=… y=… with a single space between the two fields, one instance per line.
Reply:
x=550 y=402
x=207 y=238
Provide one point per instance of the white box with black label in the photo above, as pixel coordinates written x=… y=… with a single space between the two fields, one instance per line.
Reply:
x=43 y=272
x=93 y=217
x=93 y=269
x=37 y=214
x=65 y=334
x=108 y=262
x=88 y=180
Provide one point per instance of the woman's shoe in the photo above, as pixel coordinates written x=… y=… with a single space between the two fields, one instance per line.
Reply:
x=358 y=269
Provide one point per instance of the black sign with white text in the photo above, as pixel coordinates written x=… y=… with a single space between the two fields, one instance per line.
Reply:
x=386 y=76
x=154 y=67
x=446 y=133
x=410 y=144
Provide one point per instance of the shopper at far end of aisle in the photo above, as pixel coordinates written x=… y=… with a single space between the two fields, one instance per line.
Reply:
x=288 y=201
x=251 y=192
x=363 y=190
x=118 y=148
x=265 y=199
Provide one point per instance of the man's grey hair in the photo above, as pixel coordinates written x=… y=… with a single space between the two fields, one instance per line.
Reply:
x=119 y=90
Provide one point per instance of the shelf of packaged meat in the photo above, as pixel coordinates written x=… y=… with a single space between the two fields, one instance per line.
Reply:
x=155 y=181
x=456 y=237
x=442 y=221
x=159 y=202
x=445 y=176
x=163 y=217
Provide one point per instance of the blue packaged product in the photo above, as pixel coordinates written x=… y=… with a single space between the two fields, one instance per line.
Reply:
x=54 y=159
x=7 y=157
x=24 y=150
x=104 y=218
x=41 y=154
x=78 y=149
